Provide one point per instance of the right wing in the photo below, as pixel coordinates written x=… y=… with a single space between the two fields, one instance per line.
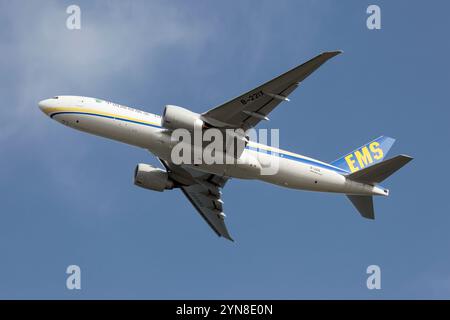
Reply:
x=203 y=190
x=247 y=110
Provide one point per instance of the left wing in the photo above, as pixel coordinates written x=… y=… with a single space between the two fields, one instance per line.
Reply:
x=247 y=110
x=203 y=190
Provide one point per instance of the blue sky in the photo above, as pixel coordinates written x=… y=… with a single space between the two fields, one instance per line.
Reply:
x=68 y=198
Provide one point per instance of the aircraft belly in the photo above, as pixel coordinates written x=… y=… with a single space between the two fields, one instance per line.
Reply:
x=246 y=167
x=298 y=175
x=130 y=133
x=251 y=165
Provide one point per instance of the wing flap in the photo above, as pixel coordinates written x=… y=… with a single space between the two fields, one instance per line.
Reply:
x=204 y=192
x=214 y=217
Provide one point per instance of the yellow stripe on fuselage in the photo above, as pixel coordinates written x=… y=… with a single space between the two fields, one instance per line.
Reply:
x=51 y=110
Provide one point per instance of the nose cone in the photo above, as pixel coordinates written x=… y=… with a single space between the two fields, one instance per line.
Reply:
x=43 y=105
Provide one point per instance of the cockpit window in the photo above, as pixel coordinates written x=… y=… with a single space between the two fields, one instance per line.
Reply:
x=55 y=97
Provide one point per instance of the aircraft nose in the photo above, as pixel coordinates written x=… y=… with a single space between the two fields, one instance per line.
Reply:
x=43 y=104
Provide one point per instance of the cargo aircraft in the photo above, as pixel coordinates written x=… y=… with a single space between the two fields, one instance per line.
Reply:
x=357 y=174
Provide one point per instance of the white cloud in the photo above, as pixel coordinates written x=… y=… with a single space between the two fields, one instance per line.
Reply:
x=117 y=42
x=41 y=57
x=121 y=41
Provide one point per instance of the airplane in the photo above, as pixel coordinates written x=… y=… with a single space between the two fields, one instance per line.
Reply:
x=357 y=174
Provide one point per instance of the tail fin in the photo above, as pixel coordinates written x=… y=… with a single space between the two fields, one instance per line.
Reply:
x=372 y=175
x=366 y=155
x=364 y=204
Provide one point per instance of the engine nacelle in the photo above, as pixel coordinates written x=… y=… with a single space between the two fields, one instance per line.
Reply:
x=149 y=177
x=177 y=117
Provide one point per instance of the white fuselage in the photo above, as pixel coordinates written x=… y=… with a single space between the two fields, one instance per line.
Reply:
x=143 y=129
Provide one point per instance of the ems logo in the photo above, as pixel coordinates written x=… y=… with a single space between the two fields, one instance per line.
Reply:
x=364 y=157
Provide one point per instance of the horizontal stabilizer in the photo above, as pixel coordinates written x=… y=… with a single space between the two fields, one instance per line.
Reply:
x=364 y=204
x=380 y=171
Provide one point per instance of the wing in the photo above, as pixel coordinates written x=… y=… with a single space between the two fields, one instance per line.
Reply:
x=203 y=190
x=247 y=110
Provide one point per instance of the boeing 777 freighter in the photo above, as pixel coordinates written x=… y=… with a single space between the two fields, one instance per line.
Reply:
x=356 y=174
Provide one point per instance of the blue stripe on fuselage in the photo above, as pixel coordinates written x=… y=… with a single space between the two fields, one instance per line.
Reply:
x=278 y=154
x=299 y=159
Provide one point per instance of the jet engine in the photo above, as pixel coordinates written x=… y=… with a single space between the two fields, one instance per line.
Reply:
x=177 y=117
x=149 y=177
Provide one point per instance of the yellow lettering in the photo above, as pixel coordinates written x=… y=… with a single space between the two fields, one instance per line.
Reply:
x=376 y=150
x=351 y=163
x=364 y=157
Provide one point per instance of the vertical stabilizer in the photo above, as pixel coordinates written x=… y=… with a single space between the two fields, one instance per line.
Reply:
x=369 y=154
x=364 y=204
